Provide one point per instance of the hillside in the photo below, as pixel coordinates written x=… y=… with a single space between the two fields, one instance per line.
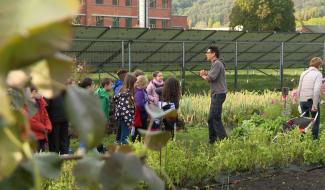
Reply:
x=215 y=13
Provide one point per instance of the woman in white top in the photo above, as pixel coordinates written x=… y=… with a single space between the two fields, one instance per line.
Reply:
x=309 y=91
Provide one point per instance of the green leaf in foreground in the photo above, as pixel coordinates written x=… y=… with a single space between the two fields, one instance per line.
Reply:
x=32 y=30
x=86 y=116
x=156 y=112
x=50 y=75
x=49 y=164
x=155 y=140
x=125 y=171
x=20 y=179
x=87 y=171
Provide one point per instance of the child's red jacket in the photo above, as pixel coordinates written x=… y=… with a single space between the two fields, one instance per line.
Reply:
x=40 y=122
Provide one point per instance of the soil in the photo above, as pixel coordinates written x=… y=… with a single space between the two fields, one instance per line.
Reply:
x=294 y=178
x=303 y=180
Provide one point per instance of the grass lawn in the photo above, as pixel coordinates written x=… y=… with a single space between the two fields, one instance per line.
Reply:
x=251 y=80
x=196 y=134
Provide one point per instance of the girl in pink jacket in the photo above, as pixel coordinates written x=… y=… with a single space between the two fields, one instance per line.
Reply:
x=156 y=82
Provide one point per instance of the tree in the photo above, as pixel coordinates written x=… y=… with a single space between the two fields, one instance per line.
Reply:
x=201 y=24
x=263 y=15
x=210 y=23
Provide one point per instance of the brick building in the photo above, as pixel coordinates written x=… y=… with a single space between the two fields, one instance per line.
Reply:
x=125 y=13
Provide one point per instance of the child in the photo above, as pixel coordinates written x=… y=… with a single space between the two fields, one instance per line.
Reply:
x=102 y=93
x=141 y=98
x=88 y=84
x=156 y=82
x=117 y=86
x=125 y=108
x=40 y=122
x=171 y=94
x=59 y=139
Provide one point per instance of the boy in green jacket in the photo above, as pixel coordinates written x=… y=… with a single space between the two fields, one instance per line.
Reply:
x=102 y=93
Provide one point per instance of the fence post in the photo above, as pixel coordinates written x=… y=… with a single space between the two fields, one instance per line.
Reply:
x=281 y=65
x=183 y=70
x=236 y=67
x=123 y=54
x=129 y=56
x=323 y=71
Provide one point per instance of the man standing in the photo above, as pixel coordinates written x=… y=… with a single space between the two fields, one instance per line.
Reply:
x=216 y=77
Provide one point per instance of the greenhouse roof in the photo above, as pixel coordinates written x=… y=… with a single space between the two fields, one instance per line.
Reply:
x=109 y=49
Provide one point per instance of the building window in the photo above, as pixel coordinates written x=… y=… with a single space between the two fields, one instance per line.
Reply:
x=76 y=20
x=164 y=23
x=152 y=23
x=116 y=22
x=152 y=3
x=128 y=3
x=82 y=2
x=128 y=22
x=99 y=21
x=164 y=4
x=99 y=2
x=115 y=2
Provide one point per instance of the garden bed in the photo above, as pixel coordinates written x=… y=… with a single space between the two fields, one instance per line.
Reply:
x=294 y=177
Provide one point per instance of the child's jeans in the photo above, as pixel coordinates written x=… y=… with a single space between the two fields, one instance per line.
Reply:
x=122 y=125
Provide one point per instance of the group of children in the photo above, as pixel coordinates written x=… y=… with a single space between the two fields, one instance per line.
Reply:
x=132 y=91
x=131 y=99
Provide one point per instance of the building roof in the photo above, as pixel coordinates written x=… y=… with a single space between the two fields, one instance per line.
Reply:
x=109 y=49
x=315 y=28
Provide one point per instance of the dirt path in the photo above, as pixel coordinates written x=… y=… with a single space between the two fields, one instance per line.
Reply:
x=312 y=180
x=303 y=180
x=284 y=179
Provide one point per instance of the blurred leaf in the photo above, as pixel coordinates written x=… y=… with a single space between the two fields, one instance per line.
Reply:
x=87 y=172
x=19 y=100
x=125 y=171
x=11 y=137
x=6 y=116
x=17 y=79
x=120 y=148
x=152 y=179
x=155 y=140
x=20 y=179
x=86 y=115
x=7 y=137
x=44 y=42
x=33 y=30
x=155 y=112
x=21 y=128
x=8 y=159
x=49 y=76
x=49 y=164
x=21 y=15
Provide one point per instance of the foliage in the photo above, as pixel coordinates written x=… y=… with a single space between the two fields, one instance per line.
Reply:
x=315 y=21
x=265 y=15
x=272 y=125
x=237 y=107
x=187 y=166
x=219 y=11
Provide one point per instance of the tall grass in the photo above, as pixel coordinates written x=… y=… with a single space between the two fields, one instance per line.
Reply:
x=237 y=107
